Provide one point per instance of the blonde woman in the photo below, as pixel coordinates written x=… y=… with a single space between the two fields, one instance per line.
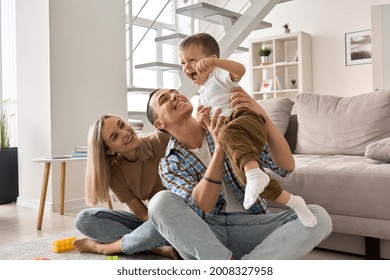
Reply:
x=120 y=161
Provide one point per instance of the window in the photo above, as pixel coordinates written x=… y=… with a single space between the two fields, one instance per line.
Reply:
x=150 y=19
x=8 y=64
x=145 y=52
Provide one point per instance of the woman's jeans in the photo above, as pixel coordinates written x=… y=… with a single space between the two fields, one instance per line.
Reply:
x=106 y=226
x=244 y=236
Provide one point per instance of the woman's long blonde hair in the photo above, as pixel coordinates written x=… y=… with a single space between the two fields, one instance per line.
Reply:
x=99 y=162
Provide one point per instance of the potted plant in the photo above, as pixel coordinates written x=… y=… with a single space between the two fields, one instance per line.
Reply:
x=9 y=184
x=293 y=83
x=4 y=137
x=264 y=55
x=286 y=27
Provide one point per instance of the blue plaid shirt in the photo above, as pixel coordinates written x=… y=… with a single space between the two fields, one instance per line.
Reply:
x=181 y=170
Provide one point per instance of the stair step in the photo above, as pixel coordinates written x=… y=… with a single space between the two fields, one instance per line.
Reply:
x=159 y=66
x=207 y=12
x=138 y=125
x=242 y=49
x=139 y=90
x=172 y=39
x=131 y=114
x=213 y=14
x=176 y=38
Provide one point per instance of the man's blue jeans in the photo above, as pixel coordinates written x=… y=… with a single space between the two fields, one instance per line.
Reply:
x=244 y=236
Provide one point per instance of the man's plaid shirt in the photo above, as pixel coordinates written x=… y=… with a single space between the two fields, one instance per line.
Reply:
x=180 y=171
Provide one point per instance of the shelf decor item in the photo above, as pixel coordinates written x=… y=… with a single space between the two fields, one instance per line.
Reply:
x=264 y=55
x=293 y=84
x=279 y=83
x=266 y=85
x=286 y=27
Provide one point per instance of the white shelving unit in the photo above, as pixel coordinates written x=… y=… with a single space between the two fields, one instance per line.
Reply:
x=290 y=60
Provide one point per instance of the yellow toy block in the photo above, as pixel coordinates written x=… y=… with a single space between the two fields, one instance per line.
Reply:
x=63 y=245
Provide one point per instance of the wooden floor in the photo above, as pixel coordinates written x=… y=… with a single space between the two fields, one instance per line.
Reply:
x=17 y=224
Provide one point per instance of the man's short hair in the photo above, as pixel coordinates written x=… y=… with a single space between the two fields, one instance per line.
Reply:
x=150 y=112
x=206 y=41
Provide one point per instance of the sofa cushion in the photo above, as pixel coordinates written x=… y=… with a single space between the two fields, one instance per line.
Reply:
x=343 y=185
x=379 y=150
x=341 y=125
x=278 y=110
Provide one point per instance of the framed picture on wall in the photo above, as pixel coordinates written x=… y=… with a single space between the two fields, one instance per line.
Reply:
x=358 y=47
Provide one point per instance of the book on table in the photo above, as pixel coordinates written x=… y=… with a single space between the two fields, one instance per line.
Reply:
x=81 y=149
x=59 y=156
x=79 y=154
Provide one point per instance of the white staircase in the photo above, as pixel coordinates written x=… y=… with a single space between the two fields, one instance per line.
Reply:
x=236 y=27
x=214 y=14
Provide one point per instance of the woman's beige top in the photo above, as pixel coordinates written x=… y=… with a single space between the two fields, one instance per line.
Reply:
x=139 y=179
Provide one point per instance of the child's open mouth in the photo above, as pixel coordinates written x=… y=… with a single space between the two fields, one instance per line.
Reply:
x=194 y=76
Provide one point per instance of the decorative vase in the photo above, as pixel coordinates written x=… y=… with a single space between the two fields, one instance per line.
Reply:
x=264 y=59
x=9 y=187
x=287 y=30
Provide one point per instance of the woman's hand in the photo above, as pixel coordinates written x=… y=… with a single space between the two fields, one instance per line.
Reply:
x=240 y=99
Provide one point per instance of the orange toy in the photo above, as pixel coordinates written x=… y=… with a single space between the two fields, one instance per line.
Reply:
x=63 y=245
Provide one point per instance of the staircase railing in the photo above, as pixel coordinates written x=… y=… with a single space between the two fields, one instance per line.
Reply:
x=151 y=25
x=131 y=50
x=229 y=41
x=217 y=37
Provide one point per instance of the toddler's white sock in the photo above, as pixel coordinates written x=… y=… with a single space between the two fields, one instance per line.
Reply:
x=304 y=214
x=256 y=181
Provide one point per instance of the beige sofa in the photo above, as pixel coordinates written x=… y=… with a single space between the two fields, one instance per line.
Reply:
x=342 y=152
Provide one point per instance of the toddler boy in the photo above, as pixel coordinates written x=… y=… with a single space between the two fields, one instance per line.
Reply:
x=243 y=135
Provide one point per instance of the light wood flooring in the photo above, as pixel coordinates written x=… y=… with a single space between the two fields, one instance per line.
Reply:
x=17 y=224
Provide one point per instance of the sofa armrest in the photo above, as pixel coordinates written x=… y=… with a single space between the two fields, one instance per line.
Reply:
x=291 y=132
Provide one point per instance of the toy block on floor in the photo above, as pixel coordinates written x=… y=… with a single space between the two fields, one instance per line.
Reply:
x=112 y=258
x=63 y=245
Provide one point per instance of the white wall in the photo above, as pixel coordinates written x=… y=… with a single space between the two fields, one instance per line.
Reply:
x=33 y=86
x=380 y=22
x=70 y=70
x=327 y=21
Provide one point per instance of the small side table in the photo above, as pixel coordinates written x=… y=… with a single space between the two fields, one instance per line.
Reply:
x=48 y=161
